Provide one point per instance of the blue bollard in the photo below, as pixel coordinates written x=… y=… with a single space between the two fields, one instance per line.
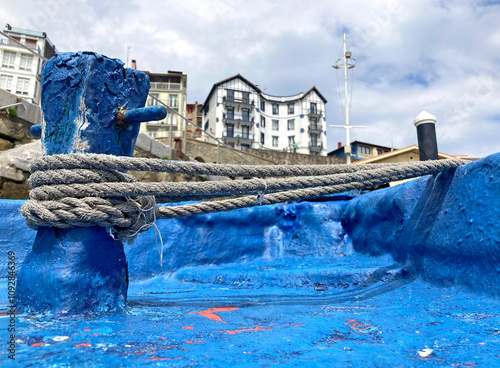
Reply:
x=83 y=270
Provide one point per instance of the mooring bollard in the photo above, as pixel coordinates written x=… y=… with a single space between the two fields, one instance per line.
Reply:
x=426 y=135
x=90 y=104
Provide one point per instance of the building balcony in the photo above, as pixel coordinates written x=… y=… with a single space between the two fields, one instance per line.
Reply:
x=315 y=113
x=315 y=147
x=165 y=86
x=238 y=102
x=15 y=44
x=315 y=128
x=229 y=136
x=231 y=119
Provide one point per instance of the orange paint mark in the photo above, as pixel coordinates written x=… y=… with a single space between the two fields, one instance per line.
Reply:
x=167 y=325
x=163 y=338
x=38 y=344
x=298 y=325
x=210 y=313
x=187 y=328
x=255 y=329
x=358 y=326
x=83 y=345
x=195 y=342
x=94 y=334
x=87 y=330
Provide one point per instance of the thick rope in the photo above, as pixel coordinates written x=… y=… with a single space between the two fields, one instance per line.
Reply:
x=119 y=163
x=80 y=203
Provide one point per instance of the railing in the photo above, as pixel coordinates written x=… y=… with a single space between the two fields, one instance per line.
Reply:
x=315 y=146
x=15 y=44
x=165 y=86
x=315 y=127
x=238 y=135
x=238 y=101
x=315 y=112
x=227 y=117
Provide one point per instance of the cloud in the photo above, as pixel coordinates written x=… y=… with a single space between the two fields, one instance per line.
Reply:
x=440 y=56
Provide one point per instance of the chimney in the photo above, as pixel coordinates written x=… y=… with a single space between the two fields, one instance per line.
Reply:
x=134 y=64
x=339 y=145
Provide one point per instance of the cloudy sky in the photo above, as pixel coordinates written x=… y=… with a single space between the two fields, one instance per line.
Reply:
x=442 y=56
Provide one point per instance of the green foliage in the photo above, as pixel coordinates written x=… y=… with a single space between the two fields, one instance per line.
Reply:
x=165 y=158
x=12 y=112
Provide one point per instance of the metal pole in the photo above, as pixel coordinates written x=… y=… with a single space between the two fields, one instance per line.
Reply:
x=347 y=137
x=170 y=130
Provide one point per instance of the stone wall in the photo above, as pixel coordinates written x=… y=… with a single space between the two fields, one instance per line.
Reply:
x=208 y=153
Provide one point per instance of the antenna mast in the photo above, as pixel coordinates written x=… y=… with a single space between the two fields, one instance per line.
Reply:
x=347 y=62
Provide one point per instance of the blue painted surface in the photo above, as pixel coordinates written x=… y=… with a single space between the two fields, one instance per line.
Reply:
x=81 y=94
x=380 y=280
x=83 y=270
x=143 y=114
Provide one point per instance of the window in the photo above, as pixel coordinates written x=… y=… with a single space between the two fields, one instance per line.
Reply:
x=364 y=150
x=291 y=108
x=245 y=132
x=262 y=121
x=229 y=130
x=245 y=147
x=379 y=152
x=230 y=113
x=314 y=123
x=291 y=140
x=6 y=82
x=314 y=140
x=245 y=114
x=31 y=44
x=230 y=144
x=230 y=95
x=314 y=108
x=291 y=124
x=22 y=85
x=263 y=105
x=246 y=97
x=26 y=61
x=276 y=125
x=152 y=101
x=190 y=110
x=275 y=141
x=9 y=58
x=172 y=101
x=275 y=109
x=262 y=138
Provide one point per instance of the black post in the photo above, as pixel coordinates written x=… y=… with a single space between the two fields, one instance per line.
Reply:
x=426 y=133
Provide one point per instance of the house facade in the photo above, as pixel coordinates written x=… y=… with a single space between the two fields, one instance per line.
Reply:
x=171 y=89
x=194 y=114
x=20 y=70
x=360 y=150
x=242 y=116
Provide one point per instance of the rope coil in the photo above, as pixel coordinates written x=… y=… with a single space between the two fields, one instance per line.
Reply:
x=92 y=190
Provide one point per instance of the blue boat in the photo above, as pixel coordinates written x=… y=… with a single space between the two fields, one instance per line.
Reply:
x=399 y=277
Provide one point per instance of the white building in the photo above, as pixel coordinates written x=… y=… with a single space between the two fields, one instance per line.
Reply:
x=240 y=114
x=20 y=70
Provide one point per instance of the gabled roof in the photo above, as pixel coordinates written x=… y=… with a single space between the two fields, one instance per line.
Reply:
x=313 y=88
x=355 y=143
x=237 y=76
x=397 y=152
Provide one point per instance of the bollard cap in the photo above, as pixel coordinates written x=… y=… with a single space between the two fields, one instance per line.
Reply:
x=424 y=118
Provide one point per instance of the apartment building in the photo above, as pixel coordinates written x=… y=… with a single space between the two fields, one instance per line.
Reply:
x=194 y=114
x=171 y=89
x=239 y=113
x=20 y=70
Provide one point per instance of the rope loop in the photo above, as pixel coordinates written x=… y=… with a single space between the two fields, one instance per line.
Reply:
x=81 y=190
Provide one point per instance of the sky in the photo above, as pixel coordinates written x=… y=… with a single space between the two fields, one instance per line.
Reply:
x=441 y=56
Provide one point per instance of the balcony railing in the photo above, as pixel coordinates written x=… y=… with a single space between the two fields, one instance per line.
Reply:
x=315 y=113
x=315 y=127
x=316 y=146
x=15 y=44
x=165 y=86
x=238 y=101
x=237 y=135
x=231 y=118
